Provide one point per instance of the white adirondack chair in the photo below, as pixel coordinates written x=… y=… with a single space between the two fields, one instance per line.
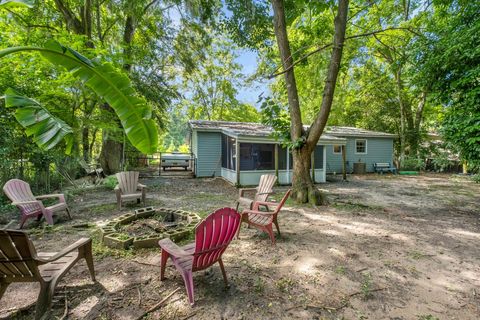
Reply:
x=128 y=188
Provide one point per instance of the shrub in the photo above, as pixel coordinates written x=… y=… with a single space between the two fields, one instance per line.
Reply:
x=476 y=178
x=411 y=163
x=110 y=182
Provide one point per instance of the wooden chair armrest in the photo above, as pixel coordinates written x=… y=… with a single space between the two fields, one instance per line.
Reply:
x=265 y=213
x=46 y=196
x=141 y=186
x=75 y=246
x=26 y=202
x=169 y=246
x=243 y=190
x=266 y=203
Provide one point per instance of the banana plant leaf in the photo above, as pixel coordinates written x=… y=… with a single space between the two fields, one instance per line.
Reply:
x=110 y=84
x=16 y=3
x=47 y=130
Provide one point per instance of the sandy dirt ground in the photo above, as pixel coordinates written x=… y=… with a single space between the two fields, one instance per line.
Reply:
x=386 y=247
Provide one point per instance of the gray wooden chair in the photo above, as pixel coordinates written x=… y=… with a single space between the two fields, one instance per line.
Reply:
x=128 y=188
x=19 y=262
x=264 y=189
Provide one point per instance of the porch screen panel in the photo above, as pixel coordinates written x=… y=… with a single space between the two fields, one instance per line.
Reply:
x=257 y=156
x=282 y=159
x=318 y=155
x=229 y=153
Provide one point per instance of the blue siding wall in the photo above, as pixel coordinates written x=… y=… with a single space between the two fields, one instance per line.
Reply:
x=209 y=152
x=378 y=150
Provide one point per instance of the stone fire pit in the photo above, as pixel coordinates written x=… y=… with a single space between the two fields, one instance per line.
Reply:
x=145 y=227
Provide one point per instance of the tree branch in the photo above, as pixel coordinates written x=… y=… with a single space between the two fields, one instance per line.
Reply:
x=320 y=121
x=326 y=46
x=27 y=24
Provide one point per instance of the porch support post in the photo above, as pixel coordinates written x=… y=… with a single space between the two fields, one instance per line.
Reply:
x=324 y=174
x=237 y=161
x=344 y=163
x=312 y=165
x=276 y=161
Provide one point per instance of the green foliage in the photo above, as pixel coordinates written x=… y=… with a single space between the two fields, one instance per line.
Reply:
x=110 y=182
x=16 y=3
x=413 y=164
x=476 y=178
x=452 y=60
x=275 y=115
x=211 y=88
x=46 y=129
x=113 y=86
x=366 y=286
x=441 y=162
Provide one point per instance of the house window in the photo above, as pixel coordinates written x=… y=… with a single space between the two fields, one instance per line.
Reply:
x=257 y=156
x=229 y=152
x=361 y=146
x=337 y=149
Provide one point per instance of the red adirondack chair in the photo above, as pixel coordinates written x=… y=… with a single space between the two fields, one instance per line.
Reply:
x=212 y=236
x=30 y=206
x=263 y=220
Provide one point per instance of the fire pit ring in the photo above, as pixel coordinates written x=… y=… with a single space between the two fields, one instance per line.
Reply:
x=160 y=223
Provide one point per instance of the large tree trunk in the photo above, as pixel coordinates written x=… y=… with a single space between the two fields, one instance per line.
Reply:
x=111 y=155
x=303 y=188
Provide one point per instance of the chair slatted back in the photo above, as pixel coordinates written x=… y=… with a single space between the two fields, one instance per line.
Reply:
x=265 y=187
x=213 y=235
x=17 y=256
x=17 y=191
x=128 y=181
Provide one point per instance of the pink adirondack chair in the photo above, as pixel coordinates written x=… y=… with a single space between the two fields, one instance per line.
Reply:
x=212 y=236
x=128 y=188
x=30 y=206
x=264 y=189
x=263 y=220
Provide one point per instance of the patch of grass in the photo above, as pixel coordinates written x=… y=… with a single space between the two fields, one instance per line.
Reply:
x=101 y=251
x=366 y=286
x=259 y=285
x=102 y=208
x=416 y=255
x=355 y=206
x=427 y=317
x=340 y=270
x=284 y=284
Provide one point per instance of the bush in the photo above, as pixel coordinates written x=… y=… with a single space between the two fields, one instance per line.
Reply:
x=413 y=164
x=441 y=163
x=110 y=182
x=476 y=178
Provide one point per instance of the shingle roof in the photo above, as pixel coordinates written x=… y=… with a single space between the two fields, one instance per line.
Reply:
x=249 y=129
x=354 y=132
x=261 y=130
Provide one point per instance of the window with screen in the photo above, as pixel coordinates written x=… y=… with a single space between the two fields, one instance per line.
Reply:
x=257 y=156
x=360 y=146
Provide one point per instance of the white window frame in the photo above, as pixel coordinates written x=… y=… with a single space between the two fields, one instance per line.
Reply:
x=366 y=146
x=337 y=145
